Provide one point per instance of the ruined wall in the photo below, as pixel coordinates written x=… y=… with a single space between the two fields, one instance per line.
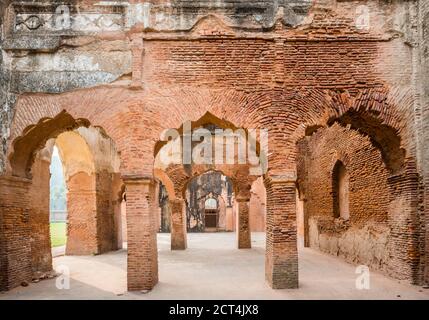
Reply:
x=259 y=63
x=7 y=101
x=422 y=82
x=364 y=238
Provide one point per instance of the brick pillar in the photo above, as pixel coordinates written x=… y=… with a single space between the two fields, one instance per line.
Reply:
x=404 y=224
x=141 y=234
x=243 y=225
x=229 y=219
x=41 y=251
x=106 y=233
x=118 y=223
x=15 y=229
x=178 y=225
x=281 y=259
x=82 y=215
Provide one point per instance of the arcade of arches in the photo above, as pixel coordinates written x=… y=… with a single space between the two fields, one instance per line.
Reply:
x=344 y=171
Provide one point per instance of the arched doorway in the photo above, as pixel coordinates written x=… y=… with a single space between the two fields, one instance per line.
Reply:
x=211 y=214
x=90 y=163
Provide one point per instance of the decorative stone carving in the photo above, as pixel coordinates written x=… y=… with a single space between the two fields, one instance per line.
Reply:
x=176 y=16
x=82 y=22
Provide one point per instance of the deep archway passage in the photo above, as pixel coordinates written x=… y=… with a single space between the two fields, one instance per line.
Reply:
x=187 y=187
x=209 y=203
x=354 y=180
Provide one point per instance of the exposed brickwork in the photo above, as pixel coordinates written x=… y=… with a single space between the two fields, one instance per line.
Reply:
x=142 y=248
x=178 y=225
x=81 y=215
x=90 y=228
x=16 y=242
x=281 y=259
x=106 y=229
x=243 y=227
x=377 y=200
x=212 y=63
x=39 y=217
x=422 y=65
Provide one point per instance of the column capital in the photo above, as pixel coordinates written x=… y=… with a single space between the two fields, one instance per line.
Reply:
x=177 y=201
x=137 y=179
x=15 y=179
x=282 y=177
x=242 y=198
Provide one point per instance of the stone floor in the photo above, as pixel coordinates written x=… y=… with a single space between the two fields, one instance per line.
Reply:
x=212 y=268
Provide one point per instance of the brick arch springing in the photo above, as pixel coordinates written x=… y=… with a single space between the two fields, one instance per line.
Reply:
x=34 y=138
x=111 y=110
x=135 y=120
x=382 y=114
x=178 y=176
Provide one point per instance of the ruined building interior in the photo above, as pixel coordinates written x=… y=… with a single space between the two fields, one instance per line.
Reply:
x=340 y=86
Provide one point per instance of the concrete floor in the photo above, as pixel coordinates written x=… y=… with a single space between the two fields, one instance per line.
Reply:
x=212 y=268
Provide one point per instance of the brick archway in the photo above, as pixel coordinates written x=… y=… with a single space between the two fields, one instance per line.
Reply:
x=91 y=196
x=382 y=120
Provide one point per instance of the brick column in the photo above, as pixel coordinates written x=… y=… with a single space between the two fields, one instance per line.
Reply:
x=15 y=229
x=243 y=226
x=281 y=259
x=82 y=238
x=106 y=233
x=229 y=219
x=178 y=225
x=41 y=252
x=141 y=234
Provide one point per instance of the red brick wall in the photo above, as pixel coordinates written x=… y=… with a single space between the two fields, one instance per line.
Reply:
x=219 y=63
x=369 y=193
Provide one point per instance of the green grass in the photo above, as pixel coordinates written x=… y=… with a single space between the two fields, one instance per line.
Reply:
x=58 y=234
